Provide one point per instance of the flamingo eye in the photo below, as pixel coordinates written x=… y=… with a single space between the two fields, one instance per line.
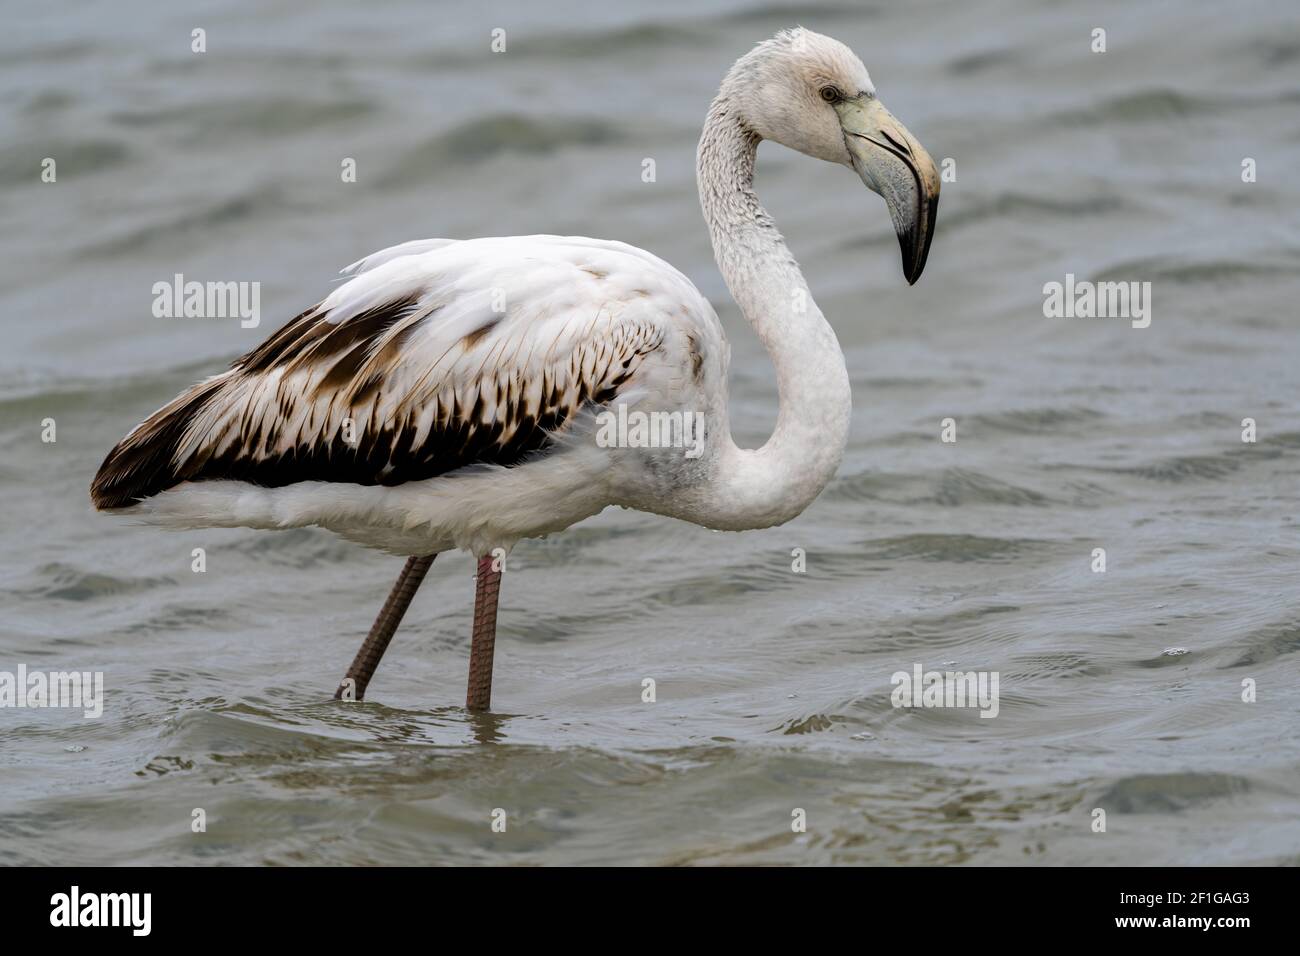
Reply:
x=831 y=95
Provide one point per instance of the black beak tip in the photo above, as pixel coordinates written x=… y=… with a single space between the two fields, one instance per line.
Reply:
x=915 y=243
x=913 y=257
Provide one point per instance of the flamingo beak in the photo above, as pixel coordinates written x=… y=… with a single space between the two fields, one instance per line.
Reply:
x=893 y=164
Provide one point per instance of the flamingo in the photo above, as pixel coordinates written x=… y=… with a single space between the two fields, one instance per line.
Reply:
x=453 y=394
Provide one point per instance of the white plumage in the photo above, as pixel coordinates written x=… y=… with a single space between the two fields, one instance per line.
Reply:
x=499 y=325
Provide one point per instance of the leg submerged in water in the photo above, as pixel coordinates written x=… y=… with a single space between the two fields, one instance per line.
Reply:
x=483 y=643
x=381 y=632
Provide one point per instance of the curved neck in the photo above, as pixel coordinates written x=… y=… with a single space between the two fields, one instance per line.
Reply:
x=770 y=485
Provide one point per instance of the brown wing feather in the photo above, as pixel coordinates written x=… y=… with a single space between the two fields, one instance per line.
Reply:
x=354 y=356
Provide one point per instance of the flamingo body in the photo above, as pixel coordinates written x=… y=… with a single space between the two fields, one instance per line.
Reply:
x=443 y=397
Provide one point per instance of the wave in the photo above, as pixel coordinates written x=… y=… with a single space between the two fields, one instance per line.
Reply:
x=1216 y=271
x=1184 y=468
x=952 y=548
x=210 y=120
x=1162 y=104
x=1171 y=792
x=64 y=582
x=247 y=206
x=1267 y=644
x=950 y=488
x=481 y=139
x=1034 y=421
x=21 y=163
x=982 y=60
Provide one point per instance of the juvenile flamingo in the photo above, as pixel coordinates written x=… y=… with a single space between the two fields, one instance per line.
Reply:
x=454 y=393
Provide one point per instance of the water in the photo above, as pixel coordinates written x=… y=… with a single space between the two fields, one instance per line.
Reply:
x=773 y=687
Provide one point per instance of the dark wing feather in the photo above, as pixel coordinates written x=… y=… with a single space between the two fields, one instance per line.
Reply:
x=276 y=417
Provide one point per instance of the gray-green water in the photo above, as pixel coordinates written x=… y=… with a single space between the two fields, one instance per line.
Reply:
x=773 y=687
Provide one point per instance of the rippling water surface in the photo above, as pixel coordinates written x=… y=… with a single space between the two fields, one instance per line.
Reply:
x=773 y=687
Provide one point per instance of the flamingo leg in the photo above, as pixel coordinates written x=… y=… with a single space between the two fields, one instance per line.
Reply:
x=488 y=585
x=381 y=632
